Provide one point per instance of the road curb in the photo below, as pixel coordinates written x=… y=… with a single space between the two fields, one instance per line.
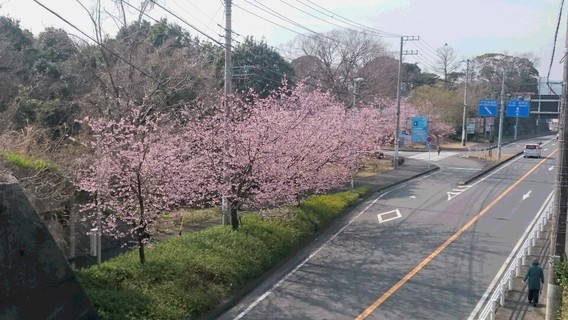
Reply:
x=489 y=169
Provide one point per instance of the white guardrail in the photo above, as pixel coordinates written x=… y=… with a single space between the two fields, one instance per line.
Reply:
x=506 y=283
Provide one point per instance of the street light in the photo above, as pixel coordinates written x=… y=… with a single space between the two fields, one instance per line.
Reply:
x=356 y=83
x=501 y=115
x=464 y=133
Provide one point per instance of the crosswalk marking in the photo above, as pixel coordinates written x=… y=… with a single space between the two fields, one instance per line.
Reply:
x=433 y=156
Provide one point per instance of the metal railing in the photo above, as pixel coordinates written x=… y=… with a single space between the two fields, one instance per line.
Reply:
x=506 y=282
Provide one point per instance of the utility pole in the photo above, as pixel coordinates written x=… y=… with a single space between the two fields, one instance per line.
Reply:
x=72 y=233
x=99 y=228
x=397 y=133
x=227 y=93
x=559 y=215
x=516 y=125
x=356 y=82
x=501 y=115
x=464 y=134
x=99 y=237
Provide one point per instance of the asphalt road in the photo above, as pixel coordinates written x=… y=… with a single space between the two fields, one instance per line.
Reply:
x=426 y=249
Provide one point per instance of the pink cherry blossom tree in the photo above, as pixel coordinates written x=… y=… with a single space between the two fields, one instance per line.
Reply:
x=136 y=174
x=284 y=146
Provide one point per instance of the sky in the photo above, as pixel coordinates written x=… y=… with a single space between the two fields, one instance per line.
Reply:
x=470 y=27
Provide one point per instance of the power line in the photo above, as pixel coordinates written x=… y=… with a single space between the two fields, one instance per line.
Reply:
x=293 y=78
x=206 y=25
x=187 y=23
x=425 y=51
x=424 y=61
x=311 y=15
x=100 y=44
x=254 y=14
x=554 y=45
x=244 y=38
x=160 y=22
x=430 y=48
x=426 y=55
x=276 y=49
x=335 y=16
x=282 y=17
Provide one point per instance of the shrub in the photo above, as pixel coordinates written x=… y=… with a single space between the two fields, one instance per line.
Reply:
x=186 y=276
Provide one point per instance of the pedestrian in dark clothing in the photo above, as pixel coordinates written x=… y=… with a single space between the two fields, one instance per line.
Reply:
x=534 y=278
x=439 y=149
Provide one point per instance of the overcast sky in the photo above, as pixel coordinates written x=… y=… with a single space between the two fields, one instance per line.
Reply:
x=471 y=27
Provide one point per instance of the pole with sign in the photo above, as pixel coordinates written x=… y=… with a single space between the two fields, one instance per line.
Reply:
x=487 y=108
x=429 y=146
x=518 y=109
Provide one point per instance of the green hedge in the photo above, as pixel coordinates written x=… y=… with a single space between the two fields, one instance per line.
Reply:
x=184 y=277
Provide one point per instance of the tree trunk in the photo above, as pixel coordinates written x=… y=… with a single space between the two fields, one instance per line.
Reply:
x=72 y=240
x=234 y=218
x=141 y=250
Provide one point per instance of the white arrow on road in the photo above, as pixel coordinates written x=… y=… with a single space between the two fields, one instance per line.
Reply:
x=389 y=215
x=551 y=168
x=526 y=195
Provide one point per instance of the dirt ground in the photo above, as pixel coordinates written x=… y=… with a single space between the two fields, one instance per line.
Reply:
x=375 y=166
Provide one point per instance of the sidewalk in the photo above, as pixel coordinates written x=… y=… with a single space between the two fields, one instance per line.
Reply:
x=413 y=168
x=516 y=303
x=409 y=170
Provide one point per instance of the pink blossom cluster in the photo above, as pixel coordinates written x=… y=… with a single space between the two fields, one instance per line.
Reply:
x=256 y=153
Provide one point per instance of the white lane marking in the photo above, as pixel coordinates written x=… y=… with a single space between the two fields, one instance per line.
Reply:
x=393 y=214
x=452 y=195
x=279 y=283
x=433 y=156
x=507 y=261
x=526 y=195
x=495 y=171
x=456 y=191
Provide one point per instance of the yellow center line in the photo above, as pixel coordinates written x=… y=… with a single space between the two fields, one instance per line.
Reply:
x=441 y=248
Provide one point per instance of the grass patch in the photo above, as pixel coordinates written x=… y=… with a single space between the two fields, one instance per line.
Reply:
x=186 y=276
x=26 y=162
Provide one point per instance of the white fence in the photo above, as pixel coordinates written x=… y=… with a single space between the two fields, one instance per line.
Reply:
x=506 y=283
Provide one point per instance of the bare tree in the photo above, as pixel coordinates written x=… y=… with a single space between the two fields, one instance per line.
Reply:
x=381 y=78
x=158 y=65
x=447 y=63
x=340 y=56
x=117 y=74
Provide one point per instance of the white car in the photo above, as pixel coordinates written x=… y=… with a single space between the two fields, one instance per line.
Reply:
x=532 y=150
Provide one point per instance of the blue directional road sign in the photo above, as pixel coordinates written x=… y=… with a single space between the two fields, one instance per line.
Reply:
x=518 y=108
x=419 y=129
x=487 y=108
